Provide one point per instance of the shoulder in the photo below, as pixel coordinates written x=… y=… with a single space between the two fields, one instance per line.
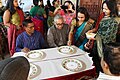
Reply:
x=33 y=8
x=7 y=11
x=117 y=19
x=21 y=35
x=91 y=21
x=52 y=28
x=37 y=33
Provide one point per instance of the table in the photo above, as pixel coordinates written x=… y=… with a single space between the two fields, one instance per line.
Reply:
x=51 y=68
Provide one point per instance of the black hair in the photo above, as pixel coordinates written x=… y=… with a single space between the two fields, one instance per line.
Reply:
x=10 y=6
x=84 y=11
x=112 y=6
x=73 y=7
x=35 y=2
x=26 y=21
x=111 y=55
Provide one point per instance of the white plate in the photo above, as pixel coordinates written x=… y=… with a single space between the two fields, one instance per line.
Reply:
x=90 y=35
x=73 y=64
x=66 y=49
x=34 y=71
x=35 y=54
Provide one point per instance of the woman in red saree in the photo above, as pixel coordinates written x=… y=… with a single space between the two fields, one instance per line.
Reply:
x=12 y=18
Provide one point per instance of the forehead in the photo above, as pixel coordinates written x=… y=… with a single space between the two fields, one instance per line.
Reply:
x=14 y=0
x=66 y=3
x=81 y=14
x=30 y=24
x=105 y=6
x=60 y=20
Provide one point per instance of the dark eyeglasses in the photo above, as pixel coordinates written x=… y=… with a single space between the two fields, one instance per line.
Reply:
x=59 y=24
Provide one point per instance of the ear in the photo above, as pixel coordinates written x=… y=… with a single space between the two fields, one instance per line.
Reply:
x=105 y=65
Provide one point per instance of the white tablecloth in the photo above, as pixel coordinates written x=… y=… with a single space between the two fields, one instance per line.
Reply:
x=51 y=64
x=54 y=68
x=52 y=53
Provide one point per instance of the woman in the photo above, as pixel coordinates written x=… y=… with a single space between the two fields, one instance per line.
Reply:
x=106 y=28
x=67 y=10
x=38 y=14
x=38 y=10
x=12 y=18
x=51 y=10
x=84 y=24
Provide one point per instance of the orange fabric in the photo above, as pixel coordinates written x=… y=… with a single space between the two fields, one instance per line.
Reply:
x=98 y=21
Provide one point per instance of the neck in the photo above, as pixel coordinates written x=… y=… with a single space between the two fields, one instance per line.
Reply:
x=80 y=23
x=107 y=16
x=29 y=33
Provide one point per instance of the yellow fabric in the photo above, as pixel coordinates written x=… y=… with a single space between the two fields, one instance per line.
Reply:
x=15 y=19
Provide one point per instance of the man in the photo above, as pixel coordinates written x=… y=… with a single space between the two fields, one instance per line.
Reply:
x=110 y=62
x=58 y=34
x=29 y=39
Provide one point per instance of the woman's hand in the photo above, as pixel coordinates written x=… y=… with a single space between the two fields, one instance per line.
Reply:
x=69 y=43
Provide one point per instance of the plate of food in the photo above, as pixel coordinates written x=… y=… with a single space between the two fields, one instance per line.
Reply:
x=34 y=71
x=73 y=65
x=90 y=35
x=66 y=50
x=35 y=54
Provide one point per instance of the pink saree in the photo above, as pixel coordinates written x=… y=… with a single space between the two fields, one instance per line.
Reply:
x=13 y=33
x=38 y=25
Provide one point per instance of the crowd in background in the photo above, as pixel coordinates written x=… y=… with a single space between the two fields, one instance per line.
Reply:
x=56 y=25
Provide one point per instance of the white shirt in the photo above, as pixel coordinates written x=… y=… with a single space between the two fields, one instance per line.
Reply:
x=103 y=76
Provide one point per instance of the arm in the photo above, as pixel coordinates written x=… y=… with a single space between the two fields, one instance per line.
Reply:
x=70 y=38
x=50 y=38
x=71 y=33
x=56 y=10
x=92 y=30
x=19 y=45
x=6 y=18
x=44 y=13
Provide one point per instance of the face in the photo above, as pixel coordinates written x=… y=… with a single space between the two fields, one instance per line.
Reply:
x=81 y=17
x=30 y=28
x=15 y=3
x=118 y=6
x=40 y=2
x=106 y=10
x=57 y=3
x=59 y=23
